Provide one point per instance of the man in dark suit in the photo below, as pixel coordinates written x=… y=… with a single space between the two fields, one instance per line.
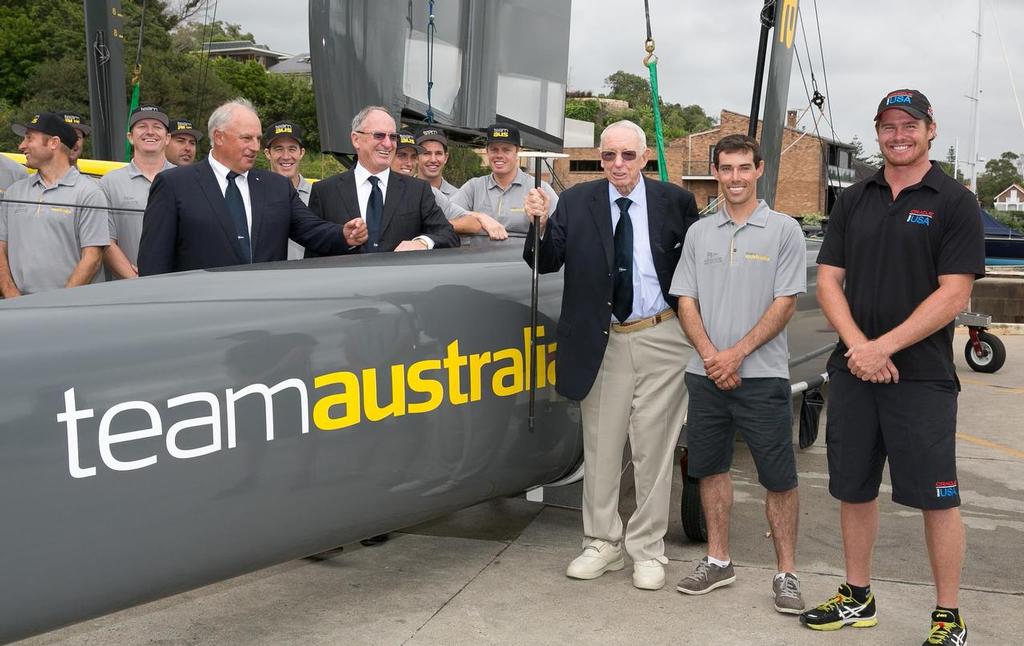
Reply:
x=394 y=211
x=222 y=212
x=621 y=350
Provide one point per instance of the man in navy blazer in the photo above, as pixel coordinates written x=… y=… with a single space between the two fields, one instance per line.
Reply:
x=222 y=212
x=395 y=212
x=621 y=350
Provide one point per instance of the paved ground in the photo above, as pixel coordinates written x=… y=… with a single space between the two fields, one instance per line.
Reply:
x=493 y=574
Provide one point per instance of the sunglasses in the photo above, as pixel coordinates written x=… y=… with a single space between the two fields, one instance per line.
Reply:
x=381 y=136
x=610 y=155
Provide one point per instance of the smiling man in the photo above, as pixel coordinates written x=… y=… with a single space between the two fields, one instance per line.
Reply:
x=898 y=262
x=284 y=149
x=127 y=188
x=737 y=282
x=389 y=210
x=181 y=149
x=221 y=211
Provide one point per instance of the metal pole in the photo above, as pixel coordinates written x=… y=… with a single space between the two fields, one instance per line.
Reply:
x=767 y=22
x=976 y=108
x=531 y=360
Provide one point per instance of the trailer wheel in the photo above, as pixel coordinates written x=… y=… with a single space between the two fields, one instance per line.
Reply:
x=994 y=353
x=690 y=511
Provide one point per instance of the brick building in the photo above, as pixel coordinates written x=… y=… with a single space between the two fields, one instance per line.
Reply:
x=813 y=171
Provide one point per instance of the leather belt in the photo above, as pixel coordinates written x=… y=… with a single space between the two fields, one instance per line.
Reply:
x=643 y=324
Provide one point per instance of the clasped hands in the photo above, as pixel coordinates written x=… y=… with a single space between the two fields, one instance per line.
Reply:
x=723 y=368
x=870 y=361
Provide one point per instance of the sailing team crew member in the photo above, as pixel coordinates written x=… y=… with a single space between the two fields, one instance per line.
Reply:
x=621 y=350
x=898 y=262
x=284 y=149
x=181 y=150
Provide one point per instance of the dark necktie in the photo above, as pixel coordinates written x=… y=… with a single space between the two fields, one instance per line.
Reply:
x=374 y=212
x=622 y=280
x=236 y=207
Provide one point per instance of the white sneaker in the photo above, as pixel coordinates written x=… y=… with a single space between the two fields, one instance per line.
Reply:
x=649 y=574
x=597 y=558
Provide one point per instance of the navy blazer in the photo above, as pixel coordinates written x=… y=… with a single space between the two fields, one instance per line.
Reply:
x=187 y=224
x=579 y=235
x=409 y=210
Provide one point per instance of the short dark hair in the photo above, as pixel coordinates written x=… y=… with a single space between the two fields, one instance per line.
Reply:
x=735 y=144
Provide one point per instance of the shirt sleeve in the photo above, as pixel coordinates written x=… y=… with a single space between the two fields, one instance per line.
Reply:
x=93 y=225
x=464 y=196
x=552 y=197
x=962 y=249
x=791 y=275
x=833 y=247
x=3 y=222
x=108 y=193
x=684 y=280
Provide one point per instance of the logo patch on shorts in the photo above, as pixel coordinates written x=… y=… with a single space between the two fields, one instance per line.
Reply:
x=946 y=489
x=920 y=217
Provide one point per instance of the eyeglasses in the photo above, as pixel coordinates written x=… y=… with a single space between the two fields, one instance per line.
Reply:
x=610 y=155
x=381 y=136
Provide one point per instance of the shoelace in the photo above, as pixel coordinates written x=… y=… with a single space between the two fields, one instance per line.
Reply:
x=702 y=570
x=789 y=587
x=940 y=631
x=834 y=602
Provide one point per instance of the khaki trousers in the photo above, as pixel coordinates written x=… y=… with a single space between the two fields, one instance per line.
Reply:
x=639 y=394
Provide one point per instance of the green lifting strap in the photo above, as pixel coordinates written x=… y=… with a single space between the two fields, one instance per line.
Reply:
x=652 y=65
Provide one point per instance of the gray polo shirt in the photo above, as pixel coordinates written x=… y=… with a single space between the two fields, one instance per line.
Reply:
x=484 y=195
x=735 y=272
x=44 y=243
x=448 y=188
x=451 y=210
x=10 y=172
x=295 y=250
x=127 y=188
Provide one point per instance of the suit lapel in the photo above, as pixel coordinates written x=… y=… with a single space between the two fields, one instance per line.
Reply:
x=214 y=196
x=256 y=204
x=393 y=198
x=348 y=195
x=656 y=209
x=601 y=214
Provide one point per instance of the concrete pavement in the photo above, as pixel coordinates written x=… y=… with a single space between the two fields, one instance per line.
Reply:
x=494 y=574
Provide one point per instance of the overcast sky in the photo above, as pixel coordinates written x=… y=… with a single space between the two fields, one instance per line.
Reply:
x=707 y=50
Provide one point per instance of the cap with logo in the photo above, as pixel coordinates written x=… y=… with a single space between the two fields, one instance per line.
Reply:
x=148 y=111
x=50 y=124
x=184 y=127
x=432 y=134
x=76 y=121
x=407 y=140
x=910 y=101
x=280 y=129
x=504 y=133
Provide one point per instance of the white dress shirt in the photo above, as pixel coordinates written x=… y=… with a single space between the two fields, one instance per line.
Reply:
x=220 y=171
x=363 y=188
x=647 y=297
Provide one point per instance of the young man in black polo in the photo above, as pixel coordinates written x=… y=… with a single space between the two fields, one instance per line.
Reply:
x=898 y=263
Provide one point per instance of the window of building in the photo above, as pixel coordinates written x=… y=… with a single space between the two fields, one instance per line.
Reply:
x=584 y=165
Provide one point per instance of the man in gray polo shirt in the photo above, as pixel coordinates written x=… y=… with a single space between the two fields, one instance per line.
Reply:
x=502 y=194
x=284 y=148
x=127 y=188
x=738 y=279
x=44 y=244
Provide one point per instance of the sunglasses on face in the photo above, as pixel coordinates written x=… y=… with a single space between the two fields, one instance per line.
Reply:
x=380 y=136
x=610 y=155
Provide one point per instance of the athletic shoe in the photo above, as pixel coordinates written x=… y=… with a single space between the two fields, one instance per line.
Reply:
x=706 y=577
x=841 y=610
x=597 y=558
x=649 y=574
x=788 y=599
x=946 y=630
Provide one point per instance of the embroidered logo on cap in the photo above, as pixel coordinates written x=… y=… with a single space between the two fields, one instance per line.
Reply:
x=499 y=132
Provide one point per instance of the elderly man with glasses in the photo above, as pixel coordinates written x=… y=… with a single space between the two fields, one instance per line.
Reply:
x=392 y=212
x=621 y=350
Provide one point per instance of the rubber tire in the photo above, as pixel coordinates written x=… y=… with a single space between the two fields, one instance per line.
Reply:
x=691 y=512
x=996 y=358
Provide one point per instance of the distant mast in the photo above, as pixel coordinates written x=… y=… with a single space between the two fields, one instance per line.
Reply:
x=976 y=107
x=104 y=60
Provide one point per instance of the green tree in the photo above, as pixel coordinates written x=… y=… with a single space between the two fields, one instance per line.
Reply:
x=948 y=165
x=631 y=88
x=999 y=174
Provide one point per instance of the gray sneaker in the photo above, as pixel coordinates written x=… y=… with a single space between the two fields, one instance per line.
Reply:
x=706 y=577
x=787 y=594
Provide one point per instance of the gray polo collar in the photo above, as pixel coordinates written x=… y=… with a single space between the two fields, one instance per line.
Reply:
x=70 y=178
x=520 y=178
x=759 y=218
x=133 y=170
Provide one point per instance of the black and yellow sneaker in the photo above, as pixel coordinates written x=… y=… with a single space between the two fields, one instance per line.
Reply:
x=841 y=610
x=947 y=630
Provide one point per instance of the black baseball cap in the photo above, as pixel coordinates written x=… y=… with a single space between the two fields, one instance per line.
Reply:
x=50 y=124
x=910 y=101
x=280 y=129
x=432 y=134
x=504 y=133
x=184 y=127
x=148 y=111
x=407 y=140
x=76 y=121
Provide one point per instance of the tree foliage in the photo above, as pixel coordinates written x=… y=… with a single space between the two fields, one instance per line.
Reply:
x=999 y=174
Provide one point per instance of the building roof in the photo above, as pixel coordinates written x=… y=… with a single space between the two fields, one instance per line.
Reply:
x=298 y=64
x=1020 y=191
x=242 y=47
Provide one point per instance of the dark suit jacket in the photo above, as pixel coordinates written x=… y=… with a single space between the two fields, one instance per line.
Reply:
x=579 y=235
x=409 y=210
x=187 y=224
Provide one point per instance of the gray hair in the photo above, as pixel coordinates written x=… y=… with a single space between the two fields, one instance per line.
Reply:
x=357 y=121
x=222 y=115
x=628 y=125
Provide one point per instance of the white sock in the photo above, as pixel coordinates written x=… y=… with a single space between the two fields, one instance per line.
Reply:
x=713 y=561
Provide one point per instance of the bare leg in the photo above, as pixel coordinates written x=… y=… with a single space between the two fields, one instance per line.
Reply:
x=782 y=509
x=944 y=534
x=716 y=498
x=860 y=527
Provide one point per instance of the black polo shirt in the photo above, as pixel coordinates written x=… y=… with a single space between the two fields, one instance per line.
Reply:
x=894 y=251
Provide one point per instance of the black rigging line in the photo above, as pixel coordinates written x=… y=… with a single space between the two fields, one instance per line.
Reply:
x=824 y=70
x=204 y=64
x=647 y=14
x=817 y=132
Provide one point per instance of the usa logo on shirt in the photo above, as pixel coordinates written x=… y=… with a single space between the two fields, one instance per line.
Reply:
x=917 y=216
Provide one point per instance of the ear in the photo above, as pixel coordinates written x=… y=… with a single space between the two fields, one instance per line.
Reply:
x=760 y=169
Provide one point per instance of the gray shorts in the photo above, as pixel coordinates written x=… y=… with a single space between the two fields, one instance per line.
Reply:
x=759 y=410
